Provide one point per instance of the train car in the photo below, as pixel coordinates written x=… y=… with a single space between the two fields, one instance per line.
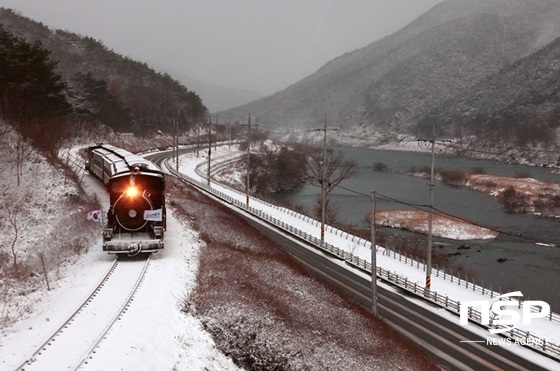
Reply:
x=135 y=220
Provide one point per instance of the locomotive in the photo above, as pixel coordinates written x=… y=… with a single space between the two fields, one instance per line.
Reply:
x=135 y=220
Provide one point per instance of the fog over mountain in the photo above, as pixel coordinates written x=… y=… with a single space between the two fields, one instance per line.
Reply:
x=217 y=98
x=394 y=83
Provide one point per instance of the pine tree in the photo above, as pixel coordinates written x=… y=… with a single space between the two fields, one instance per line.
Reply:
x=93 y=103
x=32 y=94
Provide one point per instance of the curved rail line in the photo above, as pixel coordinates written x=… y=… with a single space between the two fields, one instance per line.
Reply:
x=394 y=308
x=34 y=361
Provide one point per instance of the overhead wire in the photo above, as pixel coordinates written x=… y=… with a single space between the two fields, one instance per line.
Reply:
x=423 y=207
x=449 y=144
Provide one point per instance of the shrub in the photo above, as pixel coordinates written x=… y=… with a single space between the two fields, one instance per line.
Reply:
x=380 y=166
x=279 y=171
x=513 y=201
x=453 y=178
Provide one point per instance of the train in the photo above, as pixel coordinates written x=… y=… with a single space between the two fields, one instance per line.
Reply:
x=136 y=220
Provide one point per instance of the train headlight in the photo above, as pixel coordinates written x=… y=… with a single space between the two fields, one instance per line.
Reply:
x=132 y=191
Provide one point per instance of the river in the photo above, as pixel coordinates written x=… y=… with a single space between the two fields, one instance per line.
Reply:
x=532 y=268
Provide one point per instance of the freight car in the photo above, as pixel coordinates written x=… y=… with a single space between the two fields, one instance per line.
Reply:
x=135 y=220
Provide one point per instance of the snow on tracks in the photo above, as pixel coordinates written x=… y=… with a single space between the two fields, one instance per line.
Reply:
x=73 y=343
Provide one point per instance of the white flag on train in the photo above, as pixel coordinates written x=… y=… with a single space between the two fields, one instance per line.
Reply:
x=153 y=215
x=94 y=215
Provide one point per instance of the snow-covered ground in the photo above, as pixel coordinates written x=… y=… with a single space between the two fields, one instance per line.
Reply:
x=154 y=334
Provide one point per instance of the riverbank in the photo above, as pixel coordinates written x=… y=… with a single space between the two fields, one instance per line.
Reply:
x=520 y=194
x=470 y=147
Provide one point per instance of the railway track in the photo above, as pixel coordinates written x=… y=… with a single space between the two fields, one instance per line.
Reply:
x=410 y=315
x=73 y=344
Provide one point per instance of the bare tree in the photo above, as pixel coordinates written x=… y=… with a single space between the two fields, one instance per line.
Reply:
x=22 y=149
x=12 y=219
x=329 y=169
x=15 y=203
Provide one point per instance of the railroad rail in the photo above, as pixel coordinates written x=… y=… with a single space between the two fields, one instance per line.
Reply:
x=73 y=343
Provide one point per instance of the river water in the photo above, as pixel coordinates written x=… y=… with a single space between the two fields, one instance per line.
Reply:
x=532 y=268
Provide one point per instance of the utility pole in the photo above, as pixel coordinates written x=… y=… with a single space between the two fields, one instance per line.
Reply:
x=216 y=141
x=176 y=146
x=373 y=257
x=177 y=138
x=430 y=211
x=197 y=139
x=229 y=135
x=209 y=149
x=247 y=184
x=323 y=179
x=430 y=221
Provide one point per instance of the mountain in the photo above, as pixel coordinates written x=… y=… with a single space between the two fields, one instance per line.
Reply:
x=519 y=106
x=394 y=83
x=104 y=88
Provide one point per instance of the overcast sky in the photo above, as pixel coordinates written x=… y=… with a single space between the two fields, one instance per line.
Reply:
x=260 y=45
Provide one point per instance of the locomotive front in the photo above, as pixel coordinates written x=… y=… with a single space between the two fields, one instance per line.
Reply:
x=132 y=202
x=136 y=217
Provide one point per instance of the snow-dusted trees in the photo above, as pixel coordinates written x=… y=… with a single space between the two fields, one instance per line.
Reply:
x=95 y=104
x=277 y=170
x=101 y=89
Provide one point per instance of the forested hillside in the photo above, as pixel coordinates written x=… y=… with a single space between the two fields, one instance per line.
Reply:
x=458 y=49
x=56 y=83
x=519 y=106
x=32 y=94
